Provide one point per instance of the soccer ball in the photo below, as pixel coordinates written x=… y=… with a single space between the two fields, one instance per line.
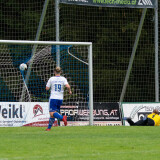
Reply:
x=23 y=67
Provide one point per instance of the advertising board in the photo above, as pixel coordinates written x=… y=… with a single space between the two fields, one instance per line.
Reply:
x=114 y=3
x=14 y=114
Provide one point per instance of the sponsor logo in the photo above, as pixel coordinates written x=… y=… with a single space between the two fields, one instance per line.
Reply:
x=11 y=111
x=145 y=2
x=37 y=110
x=85 y=112
x=141 y=115
x=83 y=1
x=142 y=110
x=115 y=2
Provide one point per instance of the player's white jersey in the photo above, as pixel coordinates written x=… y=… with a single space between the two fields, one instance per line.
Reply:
x=57 y=84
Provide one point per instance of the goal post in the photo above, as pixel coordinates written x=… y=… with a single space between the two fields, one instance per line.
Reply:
x=76 y=63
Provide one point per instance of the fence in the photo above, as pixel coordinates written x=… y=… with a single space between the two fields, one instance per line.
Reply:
x=124 y=36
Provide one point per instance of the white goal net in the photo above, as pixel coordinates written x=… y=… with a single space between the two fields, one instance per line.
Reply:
x=22 y=93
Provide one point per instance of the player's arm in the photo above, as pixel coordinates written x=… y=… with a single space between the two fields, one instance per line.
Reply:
x=47 y=88
x=48 y=85
x=69 y=88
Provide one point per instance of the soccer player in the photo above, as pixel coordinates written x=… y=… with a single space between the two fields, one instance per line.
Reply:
x=152 y=119
x=56 y=84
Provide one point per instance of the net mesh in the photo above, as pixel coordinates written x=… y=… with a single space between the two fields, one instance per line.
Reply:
x=13 y=84
x=20 y=20
x=112 y=32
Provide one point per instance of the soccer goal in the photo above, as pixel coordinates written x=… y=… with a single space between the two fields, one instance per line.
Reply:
x=24 y=100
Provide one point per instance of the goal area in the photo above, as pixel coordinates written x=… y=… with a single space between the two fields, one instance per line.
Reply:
x=124 y=35
x=22 y=93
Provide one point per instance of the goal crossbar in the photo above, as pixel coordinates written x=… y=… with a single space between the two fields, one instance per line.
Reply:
x=45 y=42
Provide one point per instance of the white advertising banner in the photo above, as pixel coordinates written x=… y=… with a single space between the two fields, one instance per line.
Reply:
x=137 y=111
x=14 y=114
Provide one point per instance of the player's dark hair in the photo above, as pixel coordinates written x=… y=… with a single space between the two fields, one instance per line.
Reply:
x=156 y=111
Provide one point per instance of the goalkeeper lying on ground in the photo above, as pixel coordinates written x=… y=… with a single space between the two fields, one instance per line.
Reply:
x=152 y=119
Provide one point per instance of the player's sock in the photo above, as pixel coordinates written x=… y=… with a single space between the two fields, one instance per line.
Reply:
x=130 y=122
x=51 y=121
x=58 y=116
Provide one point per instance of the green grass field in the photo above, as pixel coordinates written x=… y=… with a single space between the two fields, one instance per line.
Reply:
x=80 y=143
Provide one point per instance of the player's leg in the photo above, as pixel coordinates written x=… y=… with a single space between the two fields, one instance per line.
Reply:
x=58 y=115
x=51 y=121
x=51 y=112
x=130 y=122
x=59 y=119
x=141 y=123
x=150 y=122
x=128 y=119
